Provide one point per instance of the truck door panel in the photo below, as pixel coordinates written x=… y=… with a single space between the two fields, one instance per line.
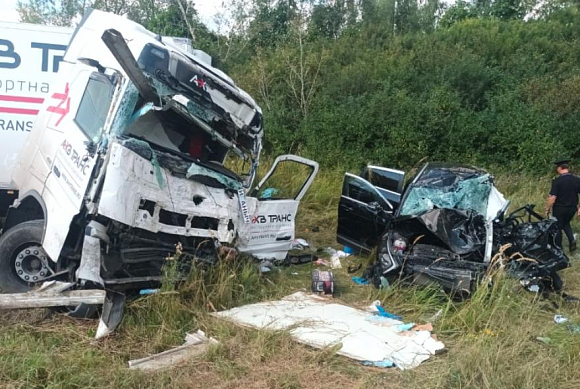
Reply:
x=273 y=205
x=78 y=124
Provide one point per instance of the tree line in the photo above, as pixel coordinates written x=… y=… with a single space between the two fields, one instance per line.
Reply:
x=392 y=82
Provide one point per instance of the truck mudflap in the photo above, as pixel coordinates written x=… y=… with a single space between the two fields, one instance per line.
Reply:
x=113 y=311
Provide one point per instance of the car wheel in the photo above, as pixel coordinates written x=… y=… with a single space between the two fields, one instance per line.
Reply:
x=23 y=262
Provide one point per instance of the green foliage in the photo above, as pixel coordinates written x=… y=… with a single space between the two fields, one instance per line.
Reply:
x=391 y=82
x=483 y=90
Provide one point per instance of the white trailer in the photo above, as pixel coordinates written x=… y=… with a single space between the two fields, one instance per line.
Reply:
x=30 y=57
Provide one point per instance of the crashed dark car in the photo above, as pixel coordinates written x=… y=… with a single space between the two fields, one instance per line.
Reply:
x=448 y=226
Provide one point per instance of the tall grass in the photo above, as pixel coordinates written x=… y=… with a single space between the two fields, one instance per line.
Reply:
x=491 y=337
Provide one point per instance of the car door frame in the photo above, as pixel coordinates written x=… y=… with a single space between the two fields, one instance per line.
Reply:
x=378 y=231
x=400 y=184
x=56 y=193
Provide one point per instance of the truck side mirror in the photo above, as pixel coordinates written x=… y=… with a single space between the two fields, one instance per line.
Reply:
x=93 y=63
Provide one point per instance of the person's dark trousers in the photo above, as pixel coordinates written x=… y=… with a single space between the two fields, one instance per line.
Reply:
x=564 y=215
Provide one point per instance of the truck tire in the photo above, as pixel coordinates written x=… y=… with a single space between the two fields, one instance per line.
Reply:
x=21 y=252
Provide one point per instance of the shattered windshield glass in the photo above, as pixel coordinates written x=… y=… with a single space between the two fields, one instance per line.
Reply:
x=126 y=109
x=171 y=130
x=448 y=192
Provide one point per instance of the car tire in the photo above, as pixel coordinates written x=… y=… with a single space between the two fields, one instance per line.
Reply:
x=12 y=242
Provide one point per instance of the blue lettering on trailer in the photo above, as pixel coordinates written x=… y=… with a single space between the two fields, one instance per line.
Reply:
x=10 y=59
x=7 y=51
x=46 y=47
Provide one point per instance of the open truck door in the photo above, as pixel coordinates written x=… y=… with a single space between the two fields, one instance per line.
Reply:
x=366 y=205
x=272 y=206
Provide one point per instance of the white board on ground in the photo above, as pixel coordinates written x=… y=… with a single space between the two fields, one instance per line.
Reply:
x=320 y=322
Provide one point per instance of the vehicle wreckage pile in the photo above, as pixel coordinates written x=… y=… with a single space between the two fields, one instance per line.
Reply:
x=138 y=166
x=158 y=123
x=449 y=227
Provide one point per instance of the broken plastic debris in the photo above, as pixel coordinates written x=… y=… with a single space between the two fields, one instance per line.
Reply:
x=360 y=281
x=373 y=306
x=299 y=244
x=436 y=316
x=383 y=313
x=195 y=345
x=354 y=268
x=386 y=363
x=320 y=322
x=385 y=283
x=52 y=294
x=545 y=340
x=335 y=262
x=144 y=292
x=299 y=259
x=559 y=319
x=575 y=329
x=266 y=266
x=405 y=327
x=335 y=257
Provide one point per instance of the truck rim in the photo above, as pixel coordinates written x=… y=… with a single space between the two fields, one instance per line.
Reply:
x=31 y=264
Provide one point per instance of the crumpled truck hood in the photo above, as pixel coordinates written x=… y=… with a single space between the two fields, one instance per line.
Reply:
x=141 y=194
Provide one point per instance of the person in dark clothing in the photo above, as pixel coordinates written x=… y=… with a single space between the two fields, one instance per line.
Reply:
x=563 y=201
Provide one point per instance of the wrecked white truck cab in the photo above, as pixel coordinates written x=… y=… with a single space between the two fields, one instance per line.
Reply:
x=128 y=160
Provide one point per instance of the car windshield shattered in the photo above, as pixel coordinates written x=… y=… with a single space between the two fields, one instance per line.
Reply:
x=450 y=228
x=461 y=189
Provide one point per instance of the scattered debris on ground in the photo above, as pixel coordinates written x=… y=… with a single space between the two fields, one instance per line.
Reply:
x=321 y=322
x=52 y=294
x=195 y=345
x=322 y=282
x=559 y=319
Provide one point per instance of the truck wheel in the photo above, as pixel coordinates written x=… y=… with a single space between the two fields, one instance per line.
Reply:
x=23 y=262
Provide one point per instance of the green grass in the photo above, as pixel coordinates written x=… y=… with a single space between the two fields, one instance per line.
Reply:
x=491 y=338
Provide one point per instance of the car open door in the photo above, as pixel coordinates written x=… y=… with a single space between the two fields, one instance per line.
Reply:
x=363 y=213
x=272 y=207
x=389 y=182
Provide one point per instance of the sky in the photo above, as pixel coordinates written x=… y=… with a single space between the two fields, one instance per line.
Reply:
x=9 y=13
x=207 y=9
